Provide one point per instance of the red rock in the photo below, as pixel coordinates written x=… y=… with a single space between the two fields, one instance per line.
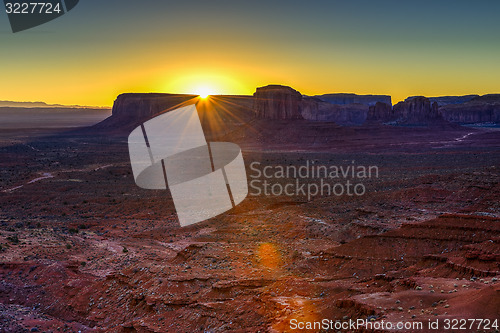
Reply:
x=483 y=109
x=277 y=102
x=417 y=111
x=346 y=99
x=380 y=113
x=318 y=110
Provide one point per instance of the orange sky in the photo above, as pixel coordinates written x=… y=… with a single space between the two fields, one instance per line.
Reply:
x=88 y=57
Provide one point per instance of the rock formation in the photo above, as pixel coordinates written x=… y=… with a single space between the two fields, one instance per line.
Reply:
x=130 y=110
x=468 y=109
x=343 y=99
x=446 y=100
x=417 y=111
x=282 y=102
x=352 y=114
x=481 y=109
x=347 y=109
x=380 y=113
x=315 y=109
x=277 y=102
x=269 y=102
x=318 y=110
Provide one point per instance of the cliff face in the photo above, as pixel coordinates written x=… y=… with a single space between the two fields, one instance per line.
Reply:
x=133 y=109
x=218 y=114
x=446 y=100
x=269 y=102
x=481 y=109
x=317 y=110
x=344 y=99
x=281 y=102
x=417 y=111
x=380 y=113
x=277 y=102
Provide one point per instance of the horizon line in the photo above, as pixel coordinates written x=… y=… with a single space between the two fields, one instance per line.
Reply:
x=77 y=106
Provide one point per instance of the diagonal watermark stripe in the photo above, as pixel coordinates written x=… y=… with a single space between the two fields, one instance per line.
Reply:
x=204 y=179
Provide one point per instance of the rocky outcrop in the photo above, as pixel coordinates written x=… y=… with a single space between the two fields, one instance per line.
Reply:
x=282 y=102
x=352 y=114
x=130 y=110
x=318 y=110
x=481 y=109
x=380 y=113
x=344 y=99
x=346 y=109
x=417 y=111
x=315 y=109
x=446 y=100
x=468 y=109
x=269 y=102
x=277 y=102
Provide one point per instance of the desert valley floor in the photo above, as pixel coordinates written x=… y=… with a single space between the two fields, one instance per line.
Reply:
x=83 y=249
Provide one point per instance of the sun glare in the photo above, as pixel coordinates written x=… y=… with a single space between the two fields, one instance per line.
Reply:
x=204 y=84
x=204 y=92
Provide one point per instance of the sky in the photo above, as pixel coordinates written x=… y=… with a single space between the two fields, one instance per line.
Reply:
x=400 y=48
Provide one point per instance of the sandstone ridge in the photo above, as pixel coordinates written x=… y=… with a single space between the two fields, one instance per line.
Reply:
x=481 y=109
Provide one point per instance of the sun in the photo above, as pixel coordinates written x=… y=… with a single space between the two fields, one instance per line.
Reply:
x=204 y=92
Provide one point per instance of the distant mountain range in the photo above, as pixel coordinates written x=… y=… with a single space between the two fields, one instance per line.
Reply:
x=12 y=104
